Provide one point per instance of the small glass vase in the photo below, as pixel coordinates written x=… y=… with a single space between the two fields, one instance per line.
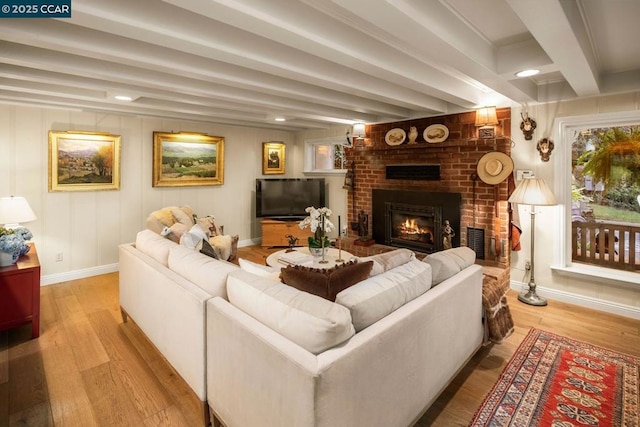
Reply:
x=318 y=252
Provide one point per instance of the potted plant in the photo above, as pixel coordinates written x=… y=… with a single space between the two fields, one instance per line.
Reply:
x=318 y=221
x=13 y=244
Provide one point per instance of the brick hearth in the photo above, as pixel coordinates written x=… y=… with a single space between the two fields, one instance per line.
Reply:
x=457 y=156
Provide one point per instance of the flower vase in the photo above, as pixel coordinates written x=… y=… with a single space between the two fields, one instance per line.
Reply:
x=318 y=252
x=8 y=258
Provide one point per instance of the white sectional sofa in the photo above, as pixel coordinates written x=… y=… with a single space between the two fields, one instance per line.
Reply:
x=164 y=287
x=261 y=353
x=386 y=374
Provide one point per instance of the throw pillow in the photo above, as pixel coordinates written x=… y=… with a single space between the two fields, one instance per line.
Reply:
x=193 y=237
x=326 y=283
x=222 y=245
x=208 y=250
x=208 y=224
x=259 y=270
x=174 y=232
x=181 y=217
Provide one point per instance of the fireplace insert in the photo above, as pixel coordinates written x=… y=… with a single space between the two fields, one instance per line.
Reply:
x=413 y=226
x=415 y=219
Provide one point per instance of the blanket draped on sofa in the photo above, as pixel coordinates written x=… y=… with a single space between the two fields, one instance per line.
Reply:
x=498 y=316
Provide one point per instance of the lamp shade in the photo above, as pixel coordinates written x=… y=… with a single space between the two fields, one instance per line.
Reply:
x=358 y=130
x=486 y=116
x=533 y=191
x=15 y=210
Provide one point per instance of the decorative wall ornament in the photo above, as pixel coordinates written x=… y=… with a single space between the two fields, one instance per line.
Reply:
x=527 y=126
x=545 y=147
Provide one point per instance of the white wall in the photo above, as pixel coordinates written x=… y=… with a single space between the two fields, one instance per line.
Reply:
x=86 y=227
x=602 y=294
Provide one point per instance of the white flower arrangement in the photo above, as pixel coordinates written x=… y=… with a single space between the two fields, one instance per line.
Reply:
x=319 y=223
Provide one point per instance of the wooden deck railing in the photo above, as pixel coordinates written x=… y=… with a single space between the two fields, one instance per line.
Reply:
x=612 y=245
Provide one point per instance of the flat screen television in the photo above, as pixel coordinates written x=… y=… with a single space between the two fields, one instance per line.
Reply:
x=287 y=198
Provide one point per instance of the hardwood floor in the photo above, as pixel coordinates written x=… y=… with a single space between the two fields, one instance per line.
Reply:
x=88 y=368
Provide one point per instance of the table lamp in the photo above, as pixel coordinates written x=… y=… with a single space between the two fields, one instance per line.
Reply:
x=15 y=210
x=533 y=192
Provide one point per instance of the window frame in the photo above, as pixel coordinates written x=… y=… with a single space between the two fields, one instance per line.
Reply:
x=564 y=128
x=309 y=153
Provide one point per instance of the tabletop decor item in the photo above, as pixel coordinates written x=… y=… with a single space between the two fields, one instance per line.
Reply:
x=13 y=244
x=291 y=241
x=318 y=221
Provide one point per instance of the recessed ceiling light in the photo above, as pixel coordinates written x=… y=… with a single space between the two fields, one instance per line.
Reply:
x=280 y=119
x=527 y=73
x=123 y=98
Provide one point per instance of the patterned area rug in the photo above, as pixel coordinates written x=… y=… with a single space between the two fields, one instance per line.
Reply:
x=560 y=382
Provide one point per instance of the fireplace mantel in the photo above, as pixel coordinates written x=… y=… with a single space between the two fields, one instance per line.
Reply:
x=457 y=156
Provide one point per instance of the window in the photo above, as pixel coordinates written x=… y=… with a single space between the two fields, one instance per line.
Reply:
x=598 y=194
x=325 y=155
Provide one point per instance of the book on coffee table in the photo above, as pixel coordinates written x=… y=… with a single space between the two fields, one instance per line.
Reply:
x=295 y=258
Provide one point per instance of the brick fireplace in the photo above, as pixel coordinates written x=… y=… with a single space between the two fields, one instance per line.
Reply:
x=445 y=167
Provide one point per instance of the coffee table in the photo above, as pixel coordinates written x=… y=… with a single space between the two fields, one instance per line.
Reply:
x=274 y=260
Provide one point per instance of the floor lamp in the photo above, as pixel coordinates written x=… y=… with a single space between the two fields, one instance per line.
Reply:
x=533 y=192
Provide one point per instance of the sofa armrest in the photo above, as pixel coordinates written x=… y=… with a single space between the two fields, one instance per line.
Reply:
x=170 y=311
x=398 y=366
x=249 y=363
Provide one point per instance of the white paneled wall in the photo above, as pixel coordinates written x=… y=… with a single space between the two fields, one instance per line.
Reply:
x=86 y=227
x=596 y=293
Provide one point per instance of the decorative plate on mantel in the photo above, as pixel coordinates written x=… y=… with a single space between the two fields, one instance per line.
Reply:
x=395 y=136
x=436 y=133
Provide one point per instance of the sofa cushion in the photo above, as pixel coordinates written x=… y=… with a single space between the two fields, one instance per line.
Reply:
x=326 y=283
x=207 y=273
x=154 y=245
x=388 y=260
x=445 y=264
x=377 y=296
x=313 y=323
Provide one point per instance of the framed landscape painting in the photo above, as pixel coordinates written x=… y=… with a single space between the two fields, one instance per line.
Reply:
x=83 y=161
x=187 y=159
x=273 y=160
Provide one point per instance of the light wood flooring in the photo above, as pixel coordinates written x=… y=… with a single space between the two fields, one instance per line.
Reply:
x=88 y=368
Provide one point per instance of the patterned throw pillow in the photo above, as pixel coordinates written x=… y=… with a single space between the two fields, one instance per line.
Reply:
x=326 y=283
x=208 y=250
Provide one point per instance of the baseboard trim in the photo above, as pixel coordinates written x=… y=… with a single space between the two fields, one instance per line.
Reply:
x=51 y=279
x=582 y=300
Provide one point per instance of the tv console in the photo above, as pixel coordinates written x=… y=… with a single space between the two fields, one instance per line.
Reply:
x=274 y=231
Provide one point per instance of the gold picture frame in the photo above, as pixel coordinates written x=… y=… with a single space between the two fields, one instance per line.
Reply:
x=83 y=161
x=187 y=159
x=273 y=158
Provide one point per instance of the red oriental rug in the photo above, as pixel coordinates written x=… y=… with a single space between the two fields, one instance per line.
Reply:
x=560 y=382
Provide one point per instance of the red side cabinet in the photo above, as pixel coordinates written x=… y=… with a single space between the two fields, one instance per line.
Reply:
x=20 y=293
